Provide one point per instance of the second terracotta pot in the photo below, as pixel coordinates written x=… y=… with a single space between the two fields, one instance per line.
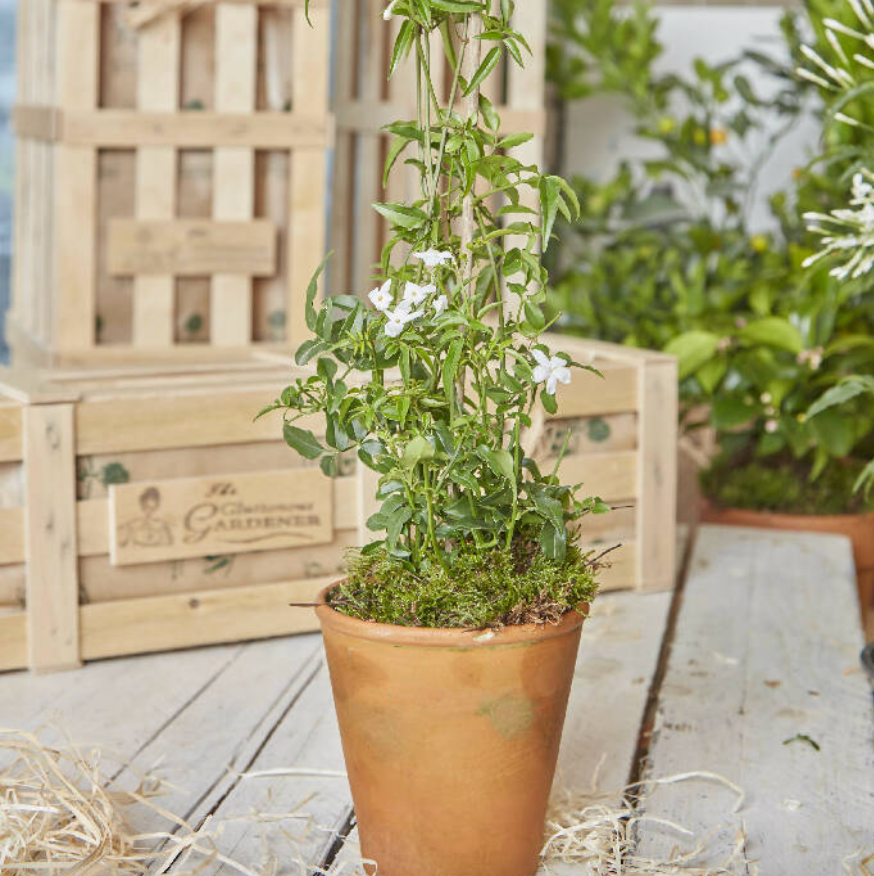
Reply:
x=859 y=528
x=450 y=739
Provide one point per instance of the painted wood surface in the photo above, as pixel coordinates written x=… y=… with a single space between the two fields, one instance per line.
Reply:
x=765 y=663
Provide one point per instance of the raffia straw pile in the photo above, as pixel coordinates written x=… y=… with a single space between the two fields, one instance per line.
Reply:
x=59 y=814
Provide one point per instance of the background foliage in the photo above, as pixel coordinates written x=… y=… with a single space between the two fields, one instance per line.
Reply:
x=664 y=255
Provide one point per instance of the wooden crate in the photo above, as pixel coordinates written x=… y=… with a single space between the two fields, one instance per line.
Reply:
x=366 y=100
x=133 y=518
x=623 y=448
x=171 y=177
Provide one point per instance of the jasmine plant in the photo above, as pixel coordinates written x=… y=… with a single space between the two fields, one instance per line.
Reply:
x=435 y=376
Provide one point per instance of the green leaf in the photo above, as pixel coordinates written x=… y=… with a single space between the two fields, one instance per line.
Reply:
x=847 y=389
x=554 y=542
x=450 y=366
x=416 y=451
x=303 y=441
x=512 y=140
x=730 y=411
x=312 y=291
x=834 y=431
x=692 y=349
x=402 y=215
x=402 y=45
x=711 y=373
x=548 y=402
x=775 y=332
x=488 y=64
x=457 y=5
x=550 y=195
x=500 y=462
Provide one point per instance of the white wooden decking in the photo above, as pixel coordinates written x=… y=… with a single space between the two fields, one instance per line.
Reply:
x=759 y=646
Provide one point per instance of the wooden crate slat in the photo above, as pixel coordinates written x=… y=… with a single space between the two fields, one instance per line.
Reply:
x=162 y=623
x=308 y=184
x=158 y=50
x=76 y=200
x=12 y=536
x=52 y=577
x=13 y=640
x=125 y=425
x=191 y=247
x=612 y=476
x=233 y=167
x=11 y=432
x=120 y=129
x=657 y=475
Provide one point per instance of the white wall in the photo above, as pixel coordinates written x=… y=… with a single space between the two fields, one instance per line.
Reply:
x=599 y=134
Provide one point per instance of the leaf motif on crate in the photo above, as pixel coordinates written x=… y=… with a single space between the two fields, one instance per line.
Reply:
x=598 y=429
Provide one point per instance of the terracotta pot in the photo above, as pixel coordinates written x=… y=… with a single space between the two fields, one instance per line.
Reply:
x=859 y=528
x=450 y=739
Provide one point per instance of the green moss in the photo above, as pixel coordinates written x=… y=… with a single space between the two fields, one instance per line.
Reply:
x=496 y=588
x=785 y=486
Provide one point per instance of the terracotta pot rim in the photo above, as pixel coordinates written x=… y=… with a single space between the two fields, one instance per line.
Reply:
x=712 y=508
x=443 y=637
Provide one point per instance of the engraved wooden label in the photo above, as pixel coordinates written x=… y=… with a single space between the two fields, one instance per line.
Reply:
x=227 y=514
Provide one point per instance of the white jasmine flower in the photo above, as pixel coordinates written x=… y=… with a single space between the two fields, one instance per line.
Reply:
x=433 y=258
x=389 y=10
x=550 y=371
x=381 y=298
x=440 y=304
x=398 y=320
x=771 y=426
x=812 y=357
x=765 y=398
x=415 y=294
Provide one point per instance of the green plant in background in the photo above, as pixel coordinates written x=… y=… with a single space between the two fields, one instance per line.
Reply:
x=433 y=384
x=843 y=67
x=664 y=257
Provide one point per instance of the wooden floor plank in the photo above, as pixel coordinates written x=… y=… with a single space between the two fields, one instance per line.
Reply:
x=766 y=650
x=119 y=705
x=220 y=732
x=305 y=738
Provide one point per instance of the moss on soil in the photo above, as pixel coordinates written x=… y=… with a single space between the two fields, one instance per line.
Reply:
x=493 y=589
x=784 y=486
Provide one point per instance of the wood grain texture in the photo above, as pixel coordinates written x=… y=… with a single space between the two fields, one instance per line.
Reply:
x=233 y=167
x=11 y=433
x=158 y=49
x=185 y=620
x=766 y=648
x=75 y=169
x=191 y=247
x=308 y=193
x=657 y=475
x=127 y=129
x=50 y=526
